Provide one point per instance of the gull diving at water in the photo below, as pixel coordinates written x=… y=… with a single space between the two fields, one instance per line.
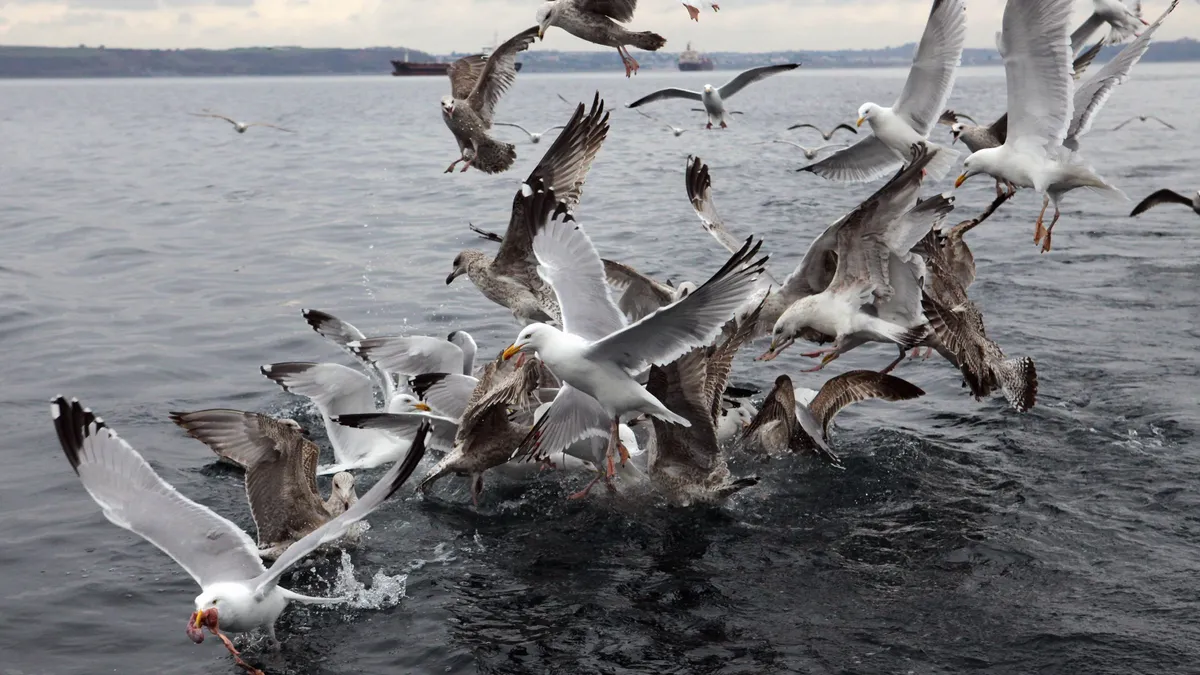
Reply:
x=1166 y=196
x=534 y=136
x=476 y=85
x=1143 y=118
x=712 y=97
x=281 y=473
x=237 y=593
x=598 y=22
x=895 y=130
x=827 y=135
x=1124 y=19
x=810 y=153
x=241 y=127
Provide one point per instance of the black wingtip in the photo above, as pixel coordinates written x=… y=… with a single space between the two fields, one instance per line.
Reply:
x=72 y=424
x=408 y=465
x=420 y=384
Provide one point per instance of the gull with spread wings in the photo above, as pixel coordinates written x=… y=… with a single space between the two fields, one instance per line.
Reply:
x=827 y=135
x=1166 y=196
x=712 y=97
x=534 y=136
x=240 y=127
x=599 y=22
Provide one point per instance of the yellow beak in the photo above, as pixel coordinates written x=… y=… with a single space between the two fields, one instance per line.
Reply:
x=198 y=616
x=541 y=33
x=960 y=180
x=422 y=406
x=512 y=351
x=860 y=121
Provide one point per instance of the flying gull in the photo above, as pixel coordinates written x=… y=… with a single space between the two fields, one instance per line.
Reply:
x=241 y=127
x=511 y=279
x=534 y=136
x=713 y=97
x=694 y=11
x=1143 y=118
x=598 y=22
x=910 y=119
x=678 y=131
x=237 y=593
x=811 y=153
x=1166 y=196
x=783 y=424
x=640 y=294
x=596 y=353
x=343 y=333
x=827 y=135
x=281 y=473
x=476 y=85
x=1123 y=19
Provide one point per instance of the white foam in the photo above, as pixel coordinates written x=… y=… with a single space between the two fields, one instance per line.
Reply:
x=385 y=590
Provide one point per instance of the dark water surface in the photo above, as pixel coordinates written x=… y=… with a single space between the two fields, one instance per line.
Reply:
x=152 y=261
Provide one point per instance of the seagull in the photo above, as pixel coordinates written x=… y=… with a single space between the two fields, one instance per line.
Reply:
x=686 y=462
x=1122 y=19
x=596 y=353
x=910 y=119
x=534 y=137
x=237 y=593
x=1166 y=196
x=641 y=295
x=338 y=390
x=674 y=129
x=1143 y=118
x=784 y=424
x=511 y=279
x=418 y=354
x=694 y=11
x=825 y=135
x=597 y=21
x=1037 y=62
x=342 y=333
x=476 y=85
x=241 y=127
x=811 y=153
x=281 y=473
x=713 y=97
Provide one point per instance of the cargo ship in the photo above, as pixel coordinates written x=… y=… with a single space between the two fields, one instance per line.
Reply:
x=408 y=68
x=691 y=59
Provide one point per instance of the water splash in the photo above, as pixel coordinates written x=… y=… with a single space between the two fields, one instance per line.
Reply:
x=385 y=590
x=442 y=553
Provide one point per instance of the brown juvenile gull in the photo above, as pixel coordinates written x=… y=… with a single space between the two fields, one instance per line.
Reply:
x=534 y=136
x=597 y=21
x=640 y=294
x=241 y=127
x=511 y=279
x=1143 y=118
x=281 y=473
x=827 y=135
x=712 y=97
x=783 y=424
x=909 y=120
x=1166 y=196
x=237 y=593
x=597 y=354
x=476 y=85
x=1122 y=18
x=811 y=153
x=686 y=463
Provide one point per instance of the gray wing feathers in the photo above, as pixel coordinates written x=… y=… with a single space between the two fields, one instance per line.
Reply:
x=572 y=416
x=405 y=425
x=334 y=388
x=662 y=94
x=411 y=355
x=932 y=74
x=864 y=161
x=745 y=79
x=499 y=72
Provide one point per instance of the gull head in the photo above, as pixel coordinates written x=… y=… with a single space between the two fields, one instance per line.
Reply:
x=531 y=339
x=224 y=598
x=684 y=289
x=867 y=111
x=956 y=130
x=448 y=106
x=406 y=403
x=461 y=263
x=294 y=425
x=975 y=163
x=708 y=89
x=789 y=325
x=464 y=341
x=545 y=17
x=342 y=495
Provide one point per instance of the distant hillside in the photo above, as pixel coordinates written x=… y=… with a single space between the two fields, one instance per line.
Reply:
x=83 y=61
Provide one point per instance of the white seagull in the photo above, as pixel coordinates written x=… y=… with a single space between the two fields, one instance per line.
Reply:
x=534 y=136
x=810 y=153
x=712 y=97
x=237 y=593
x=241 y=127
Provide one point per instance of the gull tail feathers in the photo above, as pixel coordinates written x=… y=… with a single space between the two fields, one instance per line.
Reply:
x=1018 y=379
x=492 y=156
x=943 y=160
x=309 y=599
x=651 y=42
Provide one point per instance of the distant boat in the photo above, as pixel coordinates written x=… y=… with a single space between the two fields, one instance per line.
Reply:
x=408 y=68
x=691 y=59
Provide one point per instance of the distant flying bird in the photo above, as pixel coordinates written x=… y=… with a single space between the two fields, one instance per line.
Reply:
x=712 y=97
x=240 y=127
x=694 y=11
x=811 y=153
x=1167 y=197
x=1143 y=118
x=675 y=130
x=825 y=135
x=534 y=137
x=597 y=21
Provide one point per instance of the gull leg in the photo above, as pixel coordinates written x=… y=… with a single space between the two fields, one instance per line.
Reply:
x=631 y=64
x=723 y=125
x=892 y=366
x=820 y=352
x=584 y=492
x=237 y=656
x=466 y=165
x=824 y=362
x=717 y=8
x=452 y=164
x=1046 y=239
x=614 y=437
x=1038 y=230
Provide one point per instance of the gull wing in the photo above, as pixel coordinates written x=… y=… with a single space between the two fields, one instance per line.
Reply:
x=778 y=406
x=1037 y=69
x=499 y=72
x=446 y=393
x=342 y=333
x=864 y=161
x=663 y=94
x=698 y=183
x=405 y=425
x=511 y=124
x=1163 y=196
x=932 y=74
x=572 y=416
x=855 y=386
x=1085 y=30
x=410 y=355
x=617 y=10
x=512 y=391
x=334 y=388
x=243 y=438
x=720 y=359
x=131 y=495
x=746 y=78
x=464 y=73
x=680 y=386
x=640 y=295
x=336 y=528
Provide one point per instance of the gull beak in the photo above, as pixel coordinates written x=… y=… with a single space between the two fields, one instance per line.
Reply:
x=541 y=33
x=860 y=121
x=510 y=352
x=195 y=631
x=458 y=272
x=422 y=406
x=961 y=179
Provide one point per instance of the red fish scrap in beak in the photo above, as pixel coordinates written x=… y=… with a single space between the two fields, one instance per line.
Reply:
x=199 y=621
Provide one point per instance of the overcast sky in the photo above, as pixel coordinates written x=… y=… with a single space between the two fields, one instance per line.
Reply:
x=442 y=26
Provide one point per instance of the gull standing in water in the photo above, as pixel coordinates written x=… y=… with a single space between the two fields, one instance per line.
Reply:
x=596 y=354
x=534 y=136
x=712 y=97
x=281 y=473
x=910 y=119
x=598 y=22
x=1166 y=196
x=237 y=593
x=241 y=127
x=511 y=279
x=476 y=85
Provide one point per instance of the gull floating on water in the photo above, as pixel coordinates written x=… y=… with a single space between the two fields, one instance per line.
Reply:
x=825 y=135
x=1123 y=19
x=1143 y=118
x=534 y=137
x=281 y=473
x=598 y=22
x=1166 y=196
x=241 y=127
x=810 y=153
x=476 y=85
x=713 y=97
x=237 y=593
x=895 y=130
x=596 y=353
x=510 y=279
x=784 y=424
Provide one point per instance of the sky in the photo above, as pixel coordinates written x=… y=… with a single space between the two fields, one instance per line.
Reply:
x=443 y=26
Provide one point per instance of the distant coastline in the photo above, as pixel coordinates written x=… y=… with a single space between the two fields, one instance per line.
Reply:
x=98 y=61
